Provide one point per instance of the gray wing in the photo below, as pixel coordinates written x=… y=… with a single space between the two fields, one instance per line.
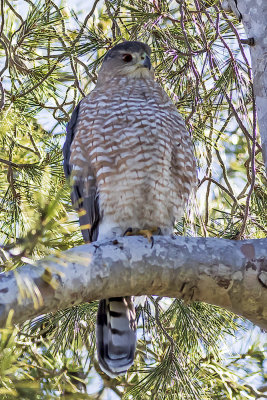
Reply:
x=84 y=199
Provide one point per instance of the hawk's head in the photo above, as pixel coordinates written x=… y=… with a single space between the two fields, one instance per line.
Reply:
x=127 y=59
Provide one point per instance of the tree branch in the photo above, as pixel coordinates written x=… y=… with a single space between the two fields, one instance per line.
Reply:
x=254 y=15
x=230 y=274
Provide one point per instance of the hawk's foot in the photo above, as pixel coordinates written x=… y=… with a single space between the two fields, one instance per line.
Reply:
x=148 y=233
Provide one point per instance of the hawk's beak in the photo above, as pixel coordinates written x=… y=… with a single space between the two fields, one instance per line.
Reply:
x=147 y=63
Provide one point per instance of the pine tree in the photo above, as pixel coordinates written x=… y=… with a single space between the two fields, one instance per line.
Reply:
x=49 y=61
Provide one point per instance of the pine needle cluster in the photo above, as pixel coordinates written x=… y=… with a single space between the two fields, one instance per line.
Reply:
x=49 y=60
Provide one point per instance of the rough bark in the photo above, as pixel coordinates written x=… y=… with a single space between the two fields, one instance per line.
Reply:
x=254 y=17
x=230 y=274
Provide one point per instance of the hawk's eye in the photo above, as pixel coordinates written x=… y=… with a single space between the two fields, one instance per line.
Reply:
x=127 y=57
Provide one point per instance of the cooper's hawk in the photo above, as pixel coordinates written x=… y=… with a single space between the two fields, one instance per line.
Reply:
x=131 y=164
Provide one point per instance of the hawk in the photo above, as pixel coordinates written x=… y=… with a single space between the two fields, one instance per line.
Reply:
x=132 y=169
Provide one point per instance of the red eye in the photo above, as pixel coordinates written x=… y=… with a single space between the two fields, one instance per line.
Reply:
x=127 y=57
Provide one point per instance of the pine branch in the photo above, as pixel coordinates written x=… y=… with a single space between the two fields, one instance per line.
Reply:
x=254 y=20
x=221 y=272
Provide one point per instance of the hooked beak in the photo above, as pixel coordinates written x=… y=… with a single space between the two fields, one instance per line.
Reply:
x=147 y=63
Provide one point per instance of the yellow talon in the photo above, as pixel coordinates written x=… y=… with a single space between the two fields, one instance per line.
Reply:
x=146 y=233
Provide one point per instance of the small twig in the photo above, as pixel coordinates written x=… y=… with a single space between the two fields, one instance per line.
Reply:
x=2 y=17
x=224 y=171
x=2 y=101
x=91 y=76
x=14 y=11
x=115 y=27
x=257 y=224
x=38 y=83
x=27 y=148
x=255 y=392
x=37 y=152
x=7 y=58
x=206 y=178
x=183 y=27
x=76 y=81
x=170 y=339
x=85 y=23
x=253 y=168
x=14 y=165
x=208 y=173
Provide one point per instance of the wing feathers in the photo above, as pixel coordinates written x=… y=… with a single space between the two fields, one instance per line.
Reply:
x=84 y=194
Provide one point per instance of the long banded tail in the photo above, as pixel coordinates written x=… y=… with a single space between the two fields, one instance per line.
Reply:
x=116 y=335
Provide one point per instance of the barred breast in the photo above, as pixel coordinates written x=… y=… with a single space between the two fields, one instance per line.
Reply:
x=136 y=146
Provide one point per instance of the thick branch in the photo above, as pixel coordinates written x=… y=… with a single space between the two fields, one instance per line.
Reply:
x=254 y=17
x=230 y=274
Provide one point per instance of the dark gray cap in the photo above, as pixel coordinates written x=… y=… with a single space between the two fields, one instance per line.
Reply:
x=133 y=46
